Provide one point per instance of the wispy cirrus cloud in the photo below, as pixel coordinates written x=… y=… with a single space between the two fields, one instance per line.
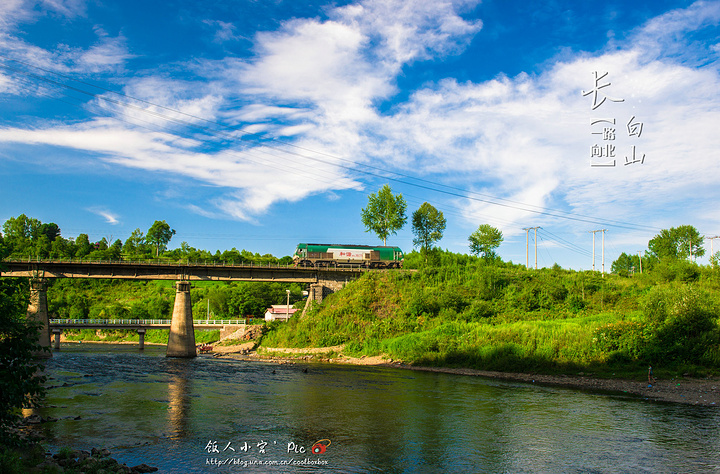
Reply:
x=106 y=54
x=110 y=217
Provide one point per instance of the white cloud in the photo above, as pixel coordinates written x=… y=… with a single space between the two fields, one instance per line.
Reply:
x=529 y=138
x=67 y=8
x=525 y=138
x=12 y=12
x=223 y=31
x=107 y=54
x=411 y=30
x=110 y=217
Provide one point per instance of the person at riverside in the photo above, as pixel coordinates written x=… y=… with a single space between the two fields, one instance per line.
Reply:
x=651 y=378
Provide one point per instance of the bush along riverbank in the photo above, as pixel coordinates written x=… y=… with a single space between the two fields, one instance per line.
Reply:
x=469 y=313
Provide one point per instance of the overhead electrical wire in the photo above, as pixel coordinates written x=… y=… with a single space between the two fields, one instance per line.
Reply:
x=356 y=168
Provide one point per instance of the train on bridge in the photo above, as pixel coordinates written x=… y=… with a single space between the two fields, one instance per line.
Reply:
x=330 y=255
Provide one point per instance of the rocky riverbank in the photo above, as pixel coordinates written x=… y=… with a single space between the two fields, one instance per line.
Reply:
x=97 y=460
x=66 y=459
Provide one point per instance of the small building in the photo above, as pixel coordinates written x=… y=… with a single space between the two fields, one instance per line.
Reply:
x=279 y=312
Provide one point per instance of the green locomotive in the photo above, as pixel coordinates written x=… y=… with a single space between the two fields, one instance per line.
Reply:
x=330 y=255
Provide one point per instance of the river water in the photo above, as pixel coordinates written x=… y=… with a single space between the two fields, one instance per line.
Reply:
x=217 y=416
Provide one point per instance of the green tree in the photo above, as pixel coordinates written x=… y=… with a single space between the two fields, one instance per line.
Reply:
x=51 y=230
x=21 y=386
x=159 y=235
x=83 y=246
x=428 y=225
x=485 y=240
x=626 y=264
x=677 y=243
x=62 y=248
x=135 y=243
x=19 y=234
x=385 y=213
x=115 y=250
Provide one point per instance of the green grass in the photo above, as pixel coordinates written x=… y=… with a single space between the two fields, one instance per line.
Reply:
x=502 y=317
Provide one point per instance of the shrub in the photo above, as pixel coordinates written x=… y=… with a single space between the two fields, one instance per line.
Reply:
x=479 y=310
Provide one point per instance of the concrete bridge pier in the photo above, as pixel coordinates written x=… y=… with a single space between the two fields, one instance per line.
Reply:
x=323 y=288
x=56 y=338
x=181 y=342
x=38 y=311
x=141 y=337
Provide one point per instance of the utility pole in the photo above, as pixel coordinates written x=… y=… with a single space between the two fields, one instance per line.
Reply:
x=536 y=228
x=640 y=258
x=711 y=246
x=603 y=248
x=603 y=252
x=527 y=246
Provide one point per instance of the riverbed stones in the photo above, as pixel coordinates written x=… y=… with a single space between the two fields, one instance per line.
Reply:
x=144 y=468
x=97 y=460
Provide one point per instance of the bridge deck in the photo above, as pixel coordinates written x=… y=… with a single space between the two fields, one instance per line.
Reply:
x=173 y=271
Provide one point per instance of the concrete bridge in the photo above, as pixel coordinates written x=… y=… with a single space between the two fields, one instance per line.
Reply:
x=181 y=341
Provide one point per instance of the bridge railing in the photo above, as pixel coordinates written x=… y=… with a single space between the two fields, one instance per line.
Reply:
x=143 y=322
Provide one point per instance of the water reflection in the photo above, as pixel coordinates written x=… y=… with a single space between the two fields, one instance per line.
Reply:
x=179 y=401
x=147 y=408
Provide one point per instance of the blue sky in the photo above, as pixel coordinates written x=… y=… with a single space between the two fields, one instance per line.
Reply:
x=258 y=125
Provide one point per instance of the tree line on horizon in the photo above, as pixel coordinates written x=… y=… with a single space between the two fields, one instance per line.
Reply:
x=385 y=215
x=25 y=236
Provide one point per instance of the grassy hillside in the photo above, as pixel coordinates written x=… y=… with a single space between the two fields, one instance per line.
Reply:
x=465 y=312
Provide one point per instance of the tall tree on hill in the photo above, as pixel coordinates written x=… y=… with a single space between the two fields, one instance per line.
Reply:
x=385 y=213
x=677 y=243
x=485 y=240
x=135 y=245
x=159 y=235
x=428 y=225
x=19 y=234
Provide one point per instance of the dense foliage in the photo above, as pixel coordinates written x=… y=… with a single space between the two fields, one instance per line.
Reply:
x=22 y=384
x=25 y=237
x=469 y=312
x=121 y=299
x=454 y=309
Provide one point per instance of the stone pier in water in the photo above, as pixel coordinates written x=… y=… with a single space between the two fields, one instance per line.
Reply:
x=181 y=341
x=38 y=311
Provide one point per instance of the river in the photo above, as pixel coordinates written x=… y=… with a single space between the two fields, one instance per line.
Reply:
x=217 y=415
